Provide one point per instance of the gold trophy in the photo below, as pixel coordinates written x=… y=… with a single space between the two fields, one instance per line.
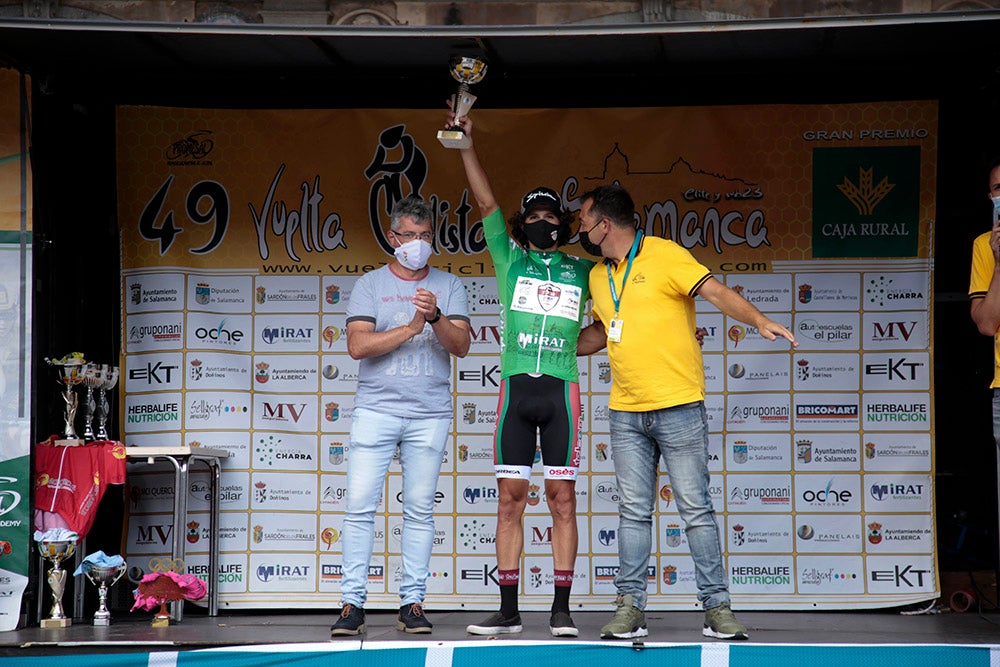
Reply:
x=56 y=551
x=467 y=70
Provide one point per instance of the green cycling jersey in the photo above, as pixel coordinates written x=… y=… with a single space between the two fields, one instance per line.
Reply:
x=543 y=296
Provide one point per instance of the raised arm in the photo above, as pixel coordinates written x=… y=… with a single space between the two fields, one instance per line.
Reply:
x=479 y=183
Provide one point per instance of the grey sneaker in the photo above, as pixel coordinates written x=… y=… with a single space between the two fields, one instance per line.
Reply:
x=628 y=622
x=351 y=621
x=722 y=624
x=496 y=624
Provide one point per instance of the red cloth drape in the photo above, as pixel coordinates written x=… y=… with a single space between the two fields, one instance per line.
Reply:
x=70 y=481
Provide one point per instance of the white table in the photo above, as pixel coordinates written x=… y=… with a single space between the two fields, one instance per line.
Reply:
x=181 y=458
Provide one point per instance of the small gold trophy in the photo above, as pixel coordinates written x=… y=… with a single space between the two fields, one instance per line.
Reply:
x=467 y=70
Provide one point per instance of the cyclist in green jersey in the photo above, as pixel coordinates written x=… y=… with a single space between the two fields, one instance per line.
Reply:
x=543 y=293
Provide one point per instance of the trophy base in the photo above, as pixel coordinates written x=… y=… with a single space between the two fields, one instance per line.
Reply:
x=454 y=139
x=56 y=622
x=102 y=621
x=69 y=442
x=160 y=622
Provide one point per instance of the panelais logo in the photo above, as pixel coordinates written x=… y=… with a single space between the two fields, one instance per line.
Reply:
x=864 y=195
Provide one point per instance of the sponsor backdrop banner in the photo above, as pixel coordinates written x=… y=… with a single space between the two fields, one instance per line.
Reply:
x=15 y=347
x=244 y=233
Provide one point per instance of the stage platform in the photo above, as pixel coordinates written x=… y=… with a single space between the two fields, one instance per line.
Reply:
x=811 y=639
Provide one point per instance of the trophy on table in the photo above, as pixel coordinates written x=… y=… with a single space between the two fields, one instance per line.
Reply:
x=55 y=546
x=467 y=70
x=71 y=369
x=101 y=414
x=93 y=378
x=102 y=571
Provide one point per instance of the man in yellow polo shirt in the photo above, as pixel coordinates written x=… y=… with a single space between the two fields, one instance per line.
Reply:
x=644 y=314
x=984 y=290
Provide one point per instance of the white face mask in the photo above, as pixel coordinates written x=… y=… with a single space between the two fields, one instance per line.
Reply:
x=414 y=254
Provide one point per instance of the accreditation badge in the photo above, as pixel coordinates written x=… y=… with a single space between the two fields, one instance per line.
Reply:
x=615 y=330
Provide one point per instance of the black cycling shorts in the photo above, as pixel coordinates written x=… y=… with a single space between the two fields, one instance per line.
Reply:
x=532 y=409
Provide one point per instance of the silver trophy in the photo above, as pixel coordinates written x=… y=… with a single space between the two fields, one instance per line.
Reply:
x=103 y=576
x=71 y=372
x=101 y=414
x=56 y=551
x=93 y=378
x=467 y=70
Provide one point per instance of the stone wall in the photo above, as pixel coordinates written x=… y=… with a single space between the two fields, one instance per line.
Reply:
x=470 y=12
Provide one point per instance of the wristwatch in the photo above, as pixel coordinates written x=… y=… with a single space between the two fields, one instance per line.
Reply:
x=437 y=316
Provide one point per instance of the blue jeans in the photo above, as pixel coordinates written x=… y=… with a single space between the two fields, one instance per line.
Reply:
x=374 y=437
x=638 y=440
x=996 y=416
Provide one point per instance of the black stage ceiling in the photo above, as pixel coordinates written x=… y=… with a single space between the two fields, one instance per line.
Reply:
x=615 y=65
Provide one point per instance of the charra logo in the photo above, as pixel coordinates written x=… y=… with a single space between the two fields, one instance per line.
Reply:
x=864 y=195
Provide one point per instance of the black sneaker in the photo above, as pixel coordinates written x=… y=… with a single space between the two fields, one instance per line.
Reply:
x=561 y=625
x=496 y=624
x=351 y=621
x=411 y=619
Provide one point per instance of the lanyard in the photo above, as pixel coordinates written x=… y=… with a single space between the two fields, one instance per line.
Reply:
x=616 y=297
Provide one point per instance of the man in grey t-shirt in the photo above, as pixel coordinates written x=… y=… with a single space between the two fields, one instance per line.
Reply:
x=403 y=322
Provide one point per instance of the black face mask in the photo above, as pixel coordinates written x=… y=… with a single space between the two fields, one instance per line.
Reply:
x=542 y=234
x=591 y=247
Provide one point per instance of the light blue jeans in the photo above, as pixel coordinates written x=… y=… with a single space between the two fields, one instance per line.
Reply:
x=374 y=437
x=638 y=440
